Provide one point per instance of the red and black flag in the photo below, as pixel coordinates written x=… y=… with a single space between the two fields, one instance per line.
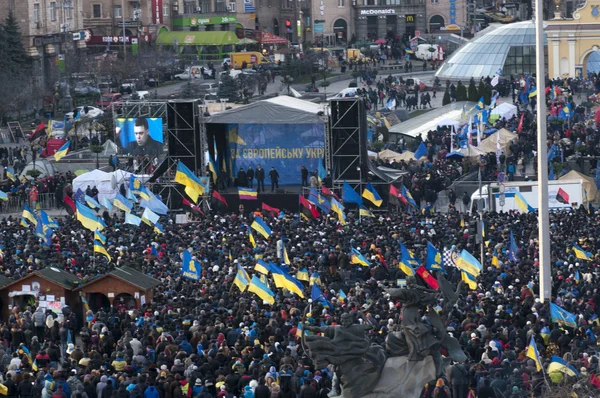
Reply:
x=307 y=208
x=270 y=209
x=219 y=198
x=394 y=195
x=69 y=205
x=40 y=131
x=562 y=196
x=329 y=193
x=427 y=277
x=192 y=206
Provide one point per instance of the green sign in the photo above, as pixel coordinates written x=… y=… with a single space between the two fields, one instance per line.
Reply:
x=200 y=20
x=134 y=46
x=61 y=63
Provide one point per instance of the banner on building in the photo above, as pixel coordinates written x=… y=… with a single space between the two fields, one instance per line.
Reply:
x=248 y=6
x=134 y=46
x=61 y=63
x=157 y=13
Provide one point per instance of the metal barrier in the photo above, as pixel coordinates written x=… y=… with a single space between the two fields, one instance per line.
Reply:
x=15 y=204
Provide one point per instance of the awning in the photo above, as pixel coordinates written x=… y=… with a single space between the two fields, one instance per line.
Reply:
x=212 y=38
x=270 y=38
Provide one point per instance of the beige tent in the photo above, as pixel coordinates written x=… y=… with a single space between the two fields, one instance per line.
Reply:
x=471 y=151
x=388 y=155
x=588 y=183
x=491 y=142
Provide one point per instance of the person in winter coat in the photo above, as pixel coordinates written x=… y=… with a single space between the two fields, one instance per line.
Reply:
x=260 y=178
x=250 y=176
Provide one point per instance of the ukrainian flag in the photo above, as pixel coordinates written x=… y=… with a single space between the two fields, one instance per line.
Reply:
x=122 y=203
x=406 y=268
x=131 y=197
x=28 y=214
x=560 y=365
x=212 y=167
x=469 y=279
x=185 y=177
x=302 y=275
x=62 y=152
x=338 y=208
x=480 y=104
x=106 y=203
x=532 y=352
x=286 y=258
x=371 y=195
x=262 y=267
x=577 y=277
x=241 y=278
x=321 y=172
x=10 y=173
x=3 y=196
x=545 y=333
x=364 y=212
x=88 y=219
x=277 y=275
x=468 y=263
x=292 y=284
x=314 y=279
x=341 y=296
x=251 y=238
x=580 y=253
x=261 y=290
x=98 y=248
x=24 y=223
x=259 y=226
x=99 y=237
x=522 y=203
x=91 y=202
x=357 y=258
x=149 y=217
x=192 y=194
x=495 y=261
x=234 y=138
x=434 y=258
x=158 y=228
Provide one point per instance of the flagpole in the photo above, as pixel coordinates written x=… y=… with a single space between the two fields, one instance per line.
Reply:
x=543 y=218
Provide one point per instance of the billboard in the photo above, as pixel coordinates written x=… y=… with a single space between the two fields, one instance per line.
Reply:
x=140 y=136
x=286 y=147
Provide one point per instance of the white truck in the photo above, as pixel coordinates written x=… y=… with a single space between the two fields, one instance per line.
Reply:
x=423 y=52
x=495 y=200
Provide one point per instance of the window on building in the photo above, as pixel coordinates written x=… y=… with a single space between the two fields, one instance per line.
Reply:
x=341 y=3
x=69 y=12
x=206 y=6
x=232 y=7
x=165 y=10
x=96 y=10
x=434 y=1
x=36 y=13
x=117 y=12
x=53 y=11
x=220 y=6
x=392 y=2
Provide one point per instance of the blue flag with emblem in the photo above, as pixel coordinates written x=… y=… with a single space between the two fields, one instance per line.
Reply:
x=190 y=268
x=434 y=258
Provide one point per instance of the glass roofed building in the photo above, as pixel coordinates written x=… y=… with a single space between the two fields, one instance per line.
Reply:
x=510 y=48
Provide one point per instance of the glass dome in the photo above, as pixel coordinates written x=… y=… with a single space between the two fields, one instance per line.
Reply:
x=508 y=47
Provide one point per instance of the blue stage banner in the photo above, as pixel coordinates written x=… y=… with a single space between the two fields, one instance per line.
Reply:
x=287 y=147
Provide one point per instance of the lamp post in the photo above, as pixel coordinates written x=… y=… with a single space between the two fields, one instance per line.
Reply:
x=543 y=218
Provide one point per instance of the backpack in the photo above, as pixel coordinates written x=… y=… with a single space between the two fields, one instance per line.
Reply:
x=441 y=392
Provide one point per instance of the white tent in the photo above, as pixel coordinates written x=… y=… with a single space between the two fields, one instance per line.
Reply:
x=110 y=148
x=44 y=166
x=588 y=183
x=491 y=142
x=92 y=178
x=505 y=110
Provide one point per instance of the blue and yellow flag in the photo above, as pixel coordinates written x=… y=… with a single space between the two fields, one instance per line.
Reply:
x=10 y=173
x=364 y=212
x=149 y=217
x=532 y=352
x=434 y=258
x=408 y=257
x=321 y=172
x=24 y=223
x=99 y=237
x=185 y=177
x=522 y=203
x=98 y=248
x=315 y=279
x=257 y=287
x=3 y=196
x=469 y=279
x=262 y=267
x=316 y=295
x=338 y=209
x=302 y=275
x=47 y=220
x=132 y=219
x=341 y=296
x=406 y=268
x=62 y=152
x=158 y=228
x=91 y=202
x=242 y=280
x=29 y=214
x=480 y=104
x=560 y=365
x=468 y=263
x=292 y=284
x=259 y=226
x=577 y=277
x=121 y=202
x=349 y=195
x=371 y=195
x=356 y=257
x=513 y=249
x=495 y=260
x=408 y=197
x=580 y=253
x=88 y=218
x=190 y=268
x=106 y=203
x=562 y=317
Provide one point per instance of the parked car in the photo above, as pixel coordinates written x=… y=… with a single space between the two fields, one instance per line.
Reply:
x=208 y=88
x=93 y=112
x=107 y=100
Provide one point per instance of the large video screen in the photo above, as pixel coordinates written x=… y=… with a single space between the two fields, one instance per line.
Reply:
x=142 y=136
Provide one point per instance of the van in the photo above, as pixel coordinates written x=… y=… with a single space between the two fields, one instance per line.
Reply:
x=251 y=57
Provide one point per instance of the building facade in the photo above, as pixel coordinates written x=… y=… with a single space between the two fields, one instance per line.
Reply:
x=51 y=29
x=445 y=15
x=378 y=19
x=142 y=19
x=332 y=22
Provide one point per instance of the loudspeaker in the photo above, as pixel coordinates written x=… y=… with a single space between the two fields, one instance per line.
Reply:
x=184 y=133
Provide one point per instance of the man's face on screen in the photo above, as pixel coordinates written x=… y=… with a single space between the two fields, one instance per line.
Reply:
x=141 y=135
